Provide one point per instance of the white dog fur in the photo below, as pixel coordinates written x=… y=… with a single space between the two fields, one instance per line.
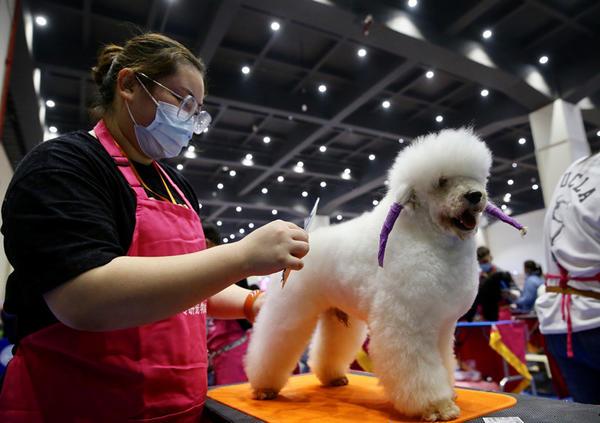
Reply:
x=411 y=305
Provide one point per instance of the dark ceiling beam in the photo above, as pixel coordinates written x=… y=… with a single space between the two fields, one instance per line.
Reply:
x=437 y=49
x=210 y=38
x=152 y=12
x=558 y=28
x=561 y=17
x=435 y=104
x=471 y=16
x=248 y=204
x=86 y=27
x=311 y=73
x=365 y=95
x=250 y=56
x=578 y=92
x=251 y=104
x=165 y=18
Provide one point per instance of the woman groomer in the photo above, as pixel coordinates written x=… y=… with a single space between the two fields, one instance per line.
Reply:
x=110 y=285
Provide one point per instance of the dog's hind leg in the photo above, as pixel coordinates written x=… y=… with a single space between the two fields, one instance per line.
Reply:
x=279 y=336
x=334 y=346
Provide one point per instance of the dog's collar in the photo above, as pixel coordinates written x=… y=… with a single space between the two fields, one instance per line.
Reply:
x=390 y=219
x=396 y=208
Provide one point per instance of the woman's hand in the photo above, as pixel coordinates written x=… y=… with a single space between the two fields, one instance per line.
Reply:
x=274 y=247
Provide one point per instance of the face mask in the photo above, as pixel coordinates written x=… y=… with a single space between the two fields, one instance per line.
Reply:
x=485 y=267
x=166 y=135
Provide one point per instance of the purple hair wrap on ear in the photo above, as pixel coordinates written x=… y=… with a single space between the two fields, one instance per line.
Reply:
x=392 y=215
x=496 y=212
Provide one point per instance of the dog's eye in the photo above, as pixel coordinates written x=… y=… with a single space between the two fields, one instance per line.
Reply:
x=442 y=182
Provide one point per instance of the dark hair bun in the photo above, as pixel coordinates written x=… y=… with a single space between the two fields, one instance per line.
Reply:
x=105 y=59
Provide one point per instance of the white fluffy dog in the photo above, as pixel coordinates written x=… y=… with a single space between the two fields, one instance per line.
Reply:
x=411 y=304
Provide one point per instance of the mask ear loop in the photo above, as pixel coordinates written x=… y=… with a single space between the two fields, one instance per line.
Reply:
x=387 y=227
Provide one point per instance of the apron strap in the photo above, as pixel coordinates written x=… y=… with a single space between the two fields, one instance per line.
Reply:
x=170 y=181
x=111 y=146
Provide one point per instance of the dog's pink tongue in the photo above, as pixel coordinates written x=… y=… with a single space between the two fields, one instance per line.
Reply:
x=468 y=220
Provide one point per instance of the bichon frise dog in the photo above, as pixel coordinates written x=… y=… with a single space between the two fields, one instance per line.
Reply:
x=437 y=191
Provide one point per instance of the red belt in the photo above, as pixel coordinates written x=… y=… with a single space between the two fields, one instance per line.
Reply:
x=566 y=291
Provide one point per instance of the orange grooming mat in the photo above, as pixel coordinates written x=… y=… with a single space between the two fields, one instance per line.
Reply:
x=304 y=399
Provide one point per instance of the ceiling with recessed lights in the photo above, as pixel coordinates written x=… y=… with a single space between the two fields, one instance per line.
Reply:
x=315 y=98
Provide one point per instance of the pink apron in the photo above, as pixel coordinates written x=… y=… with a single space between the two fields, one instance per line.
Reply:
x=155 y=372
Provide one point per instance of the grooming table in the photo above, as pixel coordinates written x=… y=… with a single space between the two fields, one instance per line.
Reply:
x=305 y=400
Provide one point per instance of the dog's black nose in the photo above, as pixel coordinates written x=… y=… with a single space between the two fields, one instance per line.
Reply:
x=474 y=197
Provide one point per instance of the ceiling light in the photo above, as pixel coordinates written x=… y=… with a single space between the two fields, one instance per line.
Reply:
x=375 y=202
x=232 y=173
x=347 y=170
x=53 y=129
x=361 y=52
x=251 y=225
x=371 y=157
x=514 y=165
x=245 y=70
x=304 y=194
x=232 y=236
x=280 y=178
x=522 y=140
x=275 y=26
x=323 y=184
x=219 y=223
x=225 y=168
x=506 y=199
x=439 y=118
x=339 y=217
x=535 y=187
x=323 y=148
x=206 y=131
x=429 y=74
x=322 y=88
x=412 y=3
x=508 y=211
x=510 y=182
x=248 y=160
x=386 y=182
x=543 y=60
x=274 y=212
x=304 y=107
x=266 y=139
x=346 y=176
x=50 y=103
x=225 y=240
x=179 y=166
x=503 y=206
x=484 y=93
x=486 y=34
x=190 y=152
x=598 y=134
x=264 y=190
x=401 y=140
x=238 y=209
x=41 y=20
x=386 y=104
x=242 y=231
x=220 y=185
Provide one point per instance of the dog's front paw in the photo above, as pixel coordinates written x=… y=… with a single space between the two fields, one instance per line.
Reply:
x=264 y=394
x=340 y=381
x=441 y=410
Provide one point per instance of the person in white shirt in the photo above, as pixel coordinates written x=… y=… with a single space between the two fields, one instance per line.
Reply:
x=569 y=309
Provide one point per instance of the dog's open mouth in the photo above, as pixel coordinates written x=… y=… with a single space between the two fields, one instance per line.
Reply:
x=465 y=222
